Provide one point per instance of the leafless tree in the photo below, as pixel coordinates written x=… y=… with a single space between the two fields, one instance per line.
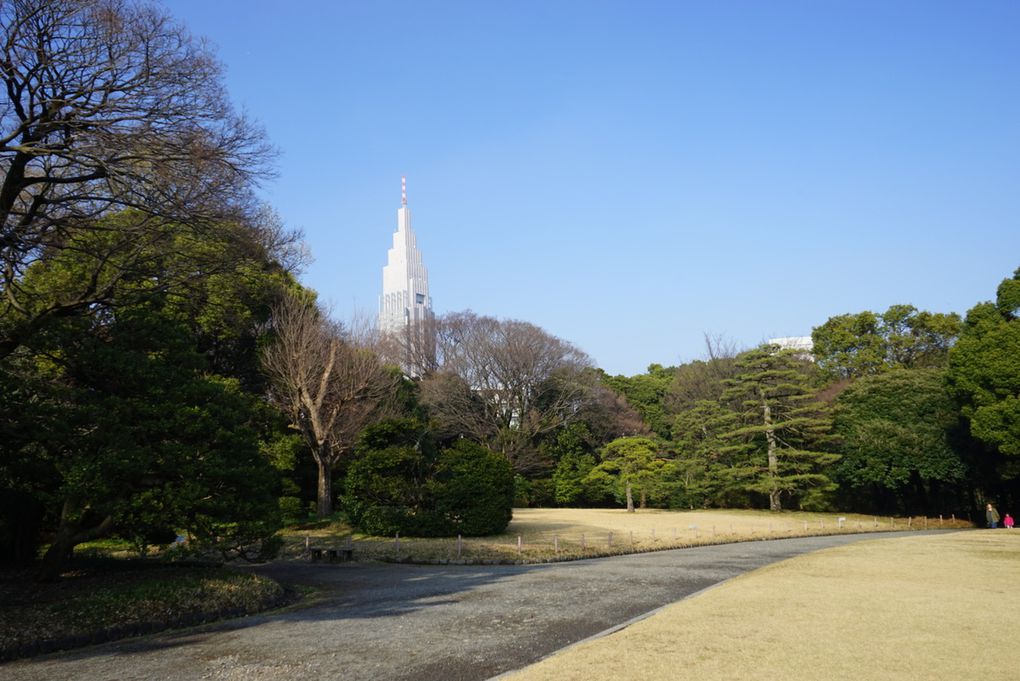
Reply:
x=704 y=379
x=505 y=383
x=413 y=348
x=109 y=107
x=329 y=380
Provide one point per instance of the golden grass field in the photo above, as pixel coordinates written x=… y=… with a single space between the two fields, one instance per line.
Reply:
x=538 y=535
x=940 y=607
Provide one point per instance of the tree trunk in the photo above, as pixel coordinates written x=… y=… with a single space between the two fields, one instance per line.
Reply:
x=630 y=499
x=770 y=436
x=68 y=536
x=325 y=494
x=641 y=503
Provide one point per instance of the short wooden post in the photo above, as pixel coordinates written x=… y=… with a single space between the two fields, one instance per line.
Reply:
x=460 y=543
x=610 y=541
x=713 y=530
x=953 y=517
x=632 y=538
x=396 y=544
x=583 y=547
x=910 y=522
x=926 y=522
x=308 y=543
x=556 y=545
x=674 y=534
x=520 y=545
x=940 y=520
x=805 y=526
x=653 y=534
x=876 y=521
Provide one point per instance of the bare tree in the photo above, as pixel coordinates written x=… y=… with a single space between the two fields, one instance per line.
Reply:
x=505 y=383
x=109 y=107
x=329 y=380
x=412 y=348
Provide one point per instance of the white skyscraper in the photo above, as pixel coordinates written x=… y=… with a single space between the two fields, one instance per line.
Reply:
x=405 y=307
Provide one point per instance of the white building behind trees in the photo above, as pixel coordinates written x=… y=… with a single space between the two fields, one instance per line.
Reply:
x=406 y=319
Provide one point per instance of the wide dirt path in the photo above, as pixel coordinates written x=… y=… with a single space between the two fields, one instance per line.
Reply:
x=380 y=621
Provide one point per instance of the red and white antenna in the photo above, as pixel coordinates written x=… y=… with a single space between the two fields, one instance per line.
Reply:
x=403 y=190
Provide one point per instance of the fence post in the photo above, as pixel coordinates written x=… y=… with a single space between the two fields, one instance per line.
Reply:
x=610 y=540
x=674 y=534
x=556 y=545
x=583 y=546
x=396 y=544
x=940 y=520
x=520 y=546
x=308 y=544
x=460 y=542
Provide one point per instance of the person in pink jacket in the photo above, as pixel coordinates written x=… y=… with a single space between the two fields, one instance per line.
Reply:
x=1008 y=521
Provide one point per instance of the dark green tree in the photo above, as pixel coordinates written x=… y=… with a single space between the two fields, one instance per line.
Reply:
x=984 y=374
x=646 y=393
x=146 y=443
x=896 y=433
x=779 y=426
x=399 y=482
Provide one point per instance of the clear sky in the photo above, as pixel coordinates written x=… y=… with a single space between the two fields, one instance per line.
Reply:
x=631 y=175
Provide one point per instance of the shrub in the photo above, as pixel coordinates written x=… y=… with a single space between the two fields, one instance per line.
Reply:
x=473 y=490
x=384 y=489
x=398 y=483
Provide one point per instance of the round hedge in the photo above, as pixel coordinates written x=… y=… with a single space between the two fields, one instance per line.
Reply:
x=464 y=489
x=472 y=490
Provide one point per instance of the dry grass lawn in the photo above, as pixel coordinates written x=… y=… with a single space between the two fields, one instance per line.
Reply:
x=569 y=533
x=926 y=607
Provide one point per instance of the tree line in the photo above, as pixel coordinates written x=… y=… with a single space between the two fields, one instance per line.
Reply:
x=903 y=411
x=163 y=371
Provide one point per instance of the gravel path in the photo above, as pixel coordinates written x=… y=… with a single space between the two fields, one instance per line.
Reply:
x=457 y=623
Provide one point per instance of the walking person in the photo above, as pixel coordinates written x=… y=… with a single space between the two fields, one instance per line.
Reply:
x=1007 y=521
x=992 y=516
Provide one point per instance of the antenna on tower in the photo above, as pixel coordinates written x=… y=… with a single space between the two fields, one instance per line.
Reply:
x=403 y=190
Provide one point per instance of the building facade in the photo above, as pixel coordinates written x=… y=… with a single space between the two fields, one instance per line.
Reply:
x=406 y=319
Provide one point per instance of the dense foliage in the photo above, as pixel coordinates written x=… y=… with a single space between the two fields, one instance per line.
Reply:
x=401 y=482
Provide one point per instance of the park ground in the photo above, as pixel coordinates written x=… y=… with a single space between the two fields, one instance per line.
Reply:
x=90 y=607
x=923 y=607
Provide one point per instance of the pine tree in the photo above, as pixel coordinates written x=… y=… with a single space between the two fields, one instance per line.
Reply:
x=778 y=427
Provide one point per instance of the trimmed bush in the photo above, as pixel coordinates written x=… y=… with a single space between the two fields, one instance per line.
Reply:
x=473 y=490
x=398 y=483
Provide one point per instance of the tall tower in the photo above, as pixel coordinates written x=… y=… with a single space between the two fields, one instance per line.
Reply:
x=405 y=307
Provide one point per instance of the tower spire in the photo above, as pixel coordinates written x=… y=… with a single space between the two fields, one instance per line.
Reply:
x=403 y=190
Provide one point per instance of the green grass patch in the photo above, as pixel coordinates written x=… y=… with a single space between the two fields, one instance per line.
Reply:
x=108 y=602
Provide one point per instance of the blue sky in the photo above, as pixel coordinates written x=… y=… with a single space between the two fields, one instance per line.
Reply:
x=632 y=175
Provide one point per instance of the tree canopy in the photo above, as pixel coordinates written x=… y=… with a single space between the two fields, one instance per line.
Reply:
x=854 y=345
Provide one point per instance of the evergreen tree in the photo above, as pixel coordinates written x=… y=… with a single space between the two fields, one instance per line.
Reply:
x=779 y=424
